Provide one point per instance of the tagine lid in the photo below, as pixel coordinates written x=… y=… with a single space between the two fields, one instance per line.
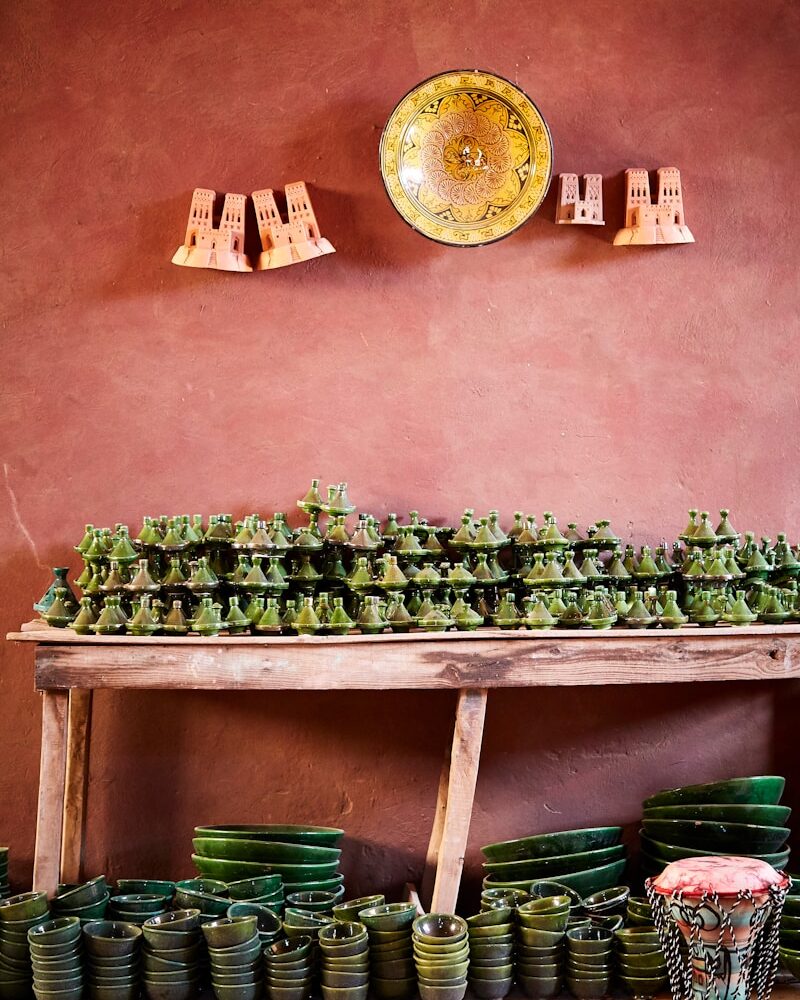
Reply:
x=466 y=158
x=726 y=876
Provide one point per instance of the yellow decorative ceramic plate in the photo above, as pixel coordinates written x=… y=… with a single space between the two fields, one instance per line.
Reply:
x=466 y=158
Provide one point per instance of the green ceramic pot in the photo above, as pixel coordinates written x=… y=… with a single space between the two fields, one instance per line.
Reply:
x=716 y=836
x=541 y=868
x=545 y=845
x=760 y=790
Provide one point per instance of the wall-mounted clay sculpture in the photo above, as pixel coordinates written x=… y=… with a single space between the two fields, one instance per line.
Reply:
x=647 y=223
x=574 y=210
x=288 y=242
x=221 y=248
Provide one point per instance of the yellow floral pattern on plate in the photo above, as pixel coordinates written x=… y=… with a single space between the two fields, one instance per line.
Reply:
x=466 y=158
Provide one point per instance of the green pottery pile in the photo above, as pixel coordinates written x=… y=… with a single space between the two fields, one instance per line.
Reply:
x=112 y=959
x=56 y=957
x=17 y=915
x=184 y=575
x=289 y=968
x=344 y=948
x=234 y=950
x=641 y=963
x=586 y=860
x=174 y=956
x=739 y=816
x=389 y=927
x=542 y=924
x=441 y=955
x=589 y=962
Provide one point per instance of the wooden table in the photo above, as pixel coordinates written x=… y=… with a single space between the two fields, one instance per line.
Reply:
x=69 y=667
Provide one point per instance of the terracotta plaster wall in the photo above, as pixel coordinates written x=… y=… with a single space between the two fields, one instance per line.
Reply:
x=549 y=371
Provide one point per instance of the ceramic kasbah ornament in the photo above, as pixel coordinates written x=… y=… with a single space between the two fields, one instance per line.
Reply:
x=466 y=158
x=646 y=223
x=205 y=246
x=571 y=208
x=289 y=242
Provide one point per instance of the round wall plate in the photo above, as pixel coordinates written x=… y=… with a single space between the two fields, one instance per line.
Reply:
x=466 y=158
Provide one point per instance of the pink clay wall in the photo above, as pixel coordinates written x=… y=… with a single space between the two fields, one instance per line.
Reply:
x=549 y=371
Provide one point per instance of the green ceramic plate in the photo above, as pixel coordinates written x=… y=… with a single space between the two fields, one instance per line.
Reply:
x=228 y=870
x=669 y=852
x=321 y=836
x=548 y=845
x=267 y=851
x=584 y=883
x=760 y=815
x=323 y=885
x=742 y=838
x=541 y=868
x=761 y=790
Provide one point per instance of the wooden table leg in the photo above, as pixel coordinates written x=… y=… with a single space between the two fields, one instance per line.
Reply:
x=52 y=771
x=435 y=842
x=78 y=735
x=464 y=761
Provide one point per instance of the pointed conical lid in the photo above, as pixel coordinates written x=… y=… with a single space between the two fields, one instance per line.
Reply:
x=647 y=565
x=312 y=501
x=688 y=532
x=725 y=530
x=704 y=534
x=142 y=581
x=539 y=616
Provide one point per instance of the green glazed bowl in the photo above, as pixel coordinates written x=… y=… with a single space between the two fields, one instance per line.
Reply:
x=25 y=906
x=759 y=815
x=442 y=970
x=761 y=790
x=388 y=916
x=428 y=992
x=343 y=980
x=351 y=908
x=791 y=906
x=228 y=932
x=540 y=988
x=315 y=885
x=663 y=853
x=238 y=955
x=267 y=921
x=109 y=938
x=267 y=851
x=60 y=931
x=584 y=883
x=637 y=938
x=189 y=899
x=352 y=993
x=146 y=886
x=541 y=868
x=434 y=927
x=231 y=870
x=494 y=973
x=790 y=940
x=589 y=940
x=545 y=845
x=644 y=987
x=315 y=901
x=744 y=837
x=536 y=938
x=94 y=911
x=247 y=888
x=83 y=895
x=441 y=952
x=393 y=989
x=289 y=951
x=389 y=937
x=322 y=836
x=791 y=960
x=490 y=918
x=492 y=989
x=139 y=903
x=247 y=993
x=293 y=917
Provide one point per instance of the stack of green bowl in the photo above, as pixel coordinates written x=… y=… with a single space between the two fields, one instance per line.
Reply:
x=5 y=888
x=790 y=934
x=350 y=909
x=641 y=963
x=89 y=901
x=542 y=926
x=740 y=816
x=207 y=895
x=316 y=900
x=289 y=968
x=638 y=912
x=268 y=924
x=344 y=948
x=234 y=949
x=441 y=954
x=56 y=957
x=307 y=857
x=174 y=956
x=491 y=952
x=586 y=860
x=493 y=899
x=392 y=972
x=263 y=890
x=589 y=962
x=135 y=908
x=147 y=886
x=112 y=959
x=608 y=907
x=17 y=915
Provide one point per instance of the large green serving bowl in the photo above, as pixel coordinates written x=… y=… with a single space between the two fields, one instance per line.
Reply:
x=542 y=868
x=791 y=959
x=746 y=838
x=670 y=852
x=287 y=833
x=547 y=845
x=267 y=851
x=585 y=883
x=760 y=815
x=760 y=790
x=230 y=870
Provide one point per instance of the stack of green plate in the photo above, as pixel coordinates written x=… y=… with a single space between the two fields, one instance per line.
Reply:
x=740 y=816
x=89 y=901
x=306 y=857
x=585 y=860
